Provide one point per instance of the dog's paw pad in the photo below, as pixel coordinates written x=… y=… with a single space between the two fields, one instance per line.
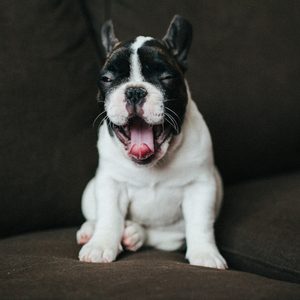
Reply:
x=97 y=254
x=133 y=236
x=85 y=233
x=83 y=238
x=207 y=258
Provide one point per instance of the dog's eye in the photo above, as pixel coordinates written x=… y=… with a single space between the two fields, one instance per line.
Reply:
x=106 y=79
x=166 y=77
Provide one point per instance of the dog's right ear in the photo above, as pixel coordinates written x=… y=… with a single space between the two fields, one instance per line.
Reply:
x=178 y=39
x=108 y=37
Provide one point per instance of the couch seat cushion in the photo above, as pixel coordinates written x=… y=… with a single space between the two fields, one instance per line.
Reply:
x=44 y=265
x=258 y=229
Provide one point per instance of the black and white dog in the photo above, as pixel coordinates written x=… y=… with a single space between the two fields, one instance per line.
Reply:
x=156 y=183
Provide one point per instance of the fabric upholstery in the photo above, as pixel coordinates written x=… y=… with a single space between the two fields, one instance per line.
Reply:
x=47 y=98
x=44 y=265
x=242 y=74
x=258 y=229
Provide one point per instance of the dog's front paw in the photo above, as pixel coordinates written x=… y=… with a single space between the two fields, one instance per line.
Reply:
x=96 y=253
x=133 y=236
x=207 y=256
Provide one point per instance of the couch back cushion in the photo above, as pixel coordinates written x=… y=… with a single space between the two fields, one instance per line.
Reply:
x=47 y=98
x=242 y=74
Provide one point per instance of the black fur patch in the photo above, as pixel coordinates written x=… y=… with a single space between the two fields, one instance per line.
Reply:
x=117 y=68
x=161 y=69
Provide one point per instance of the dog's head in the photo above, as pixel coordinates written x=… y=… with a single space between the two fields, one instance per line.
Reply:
x=143 y=89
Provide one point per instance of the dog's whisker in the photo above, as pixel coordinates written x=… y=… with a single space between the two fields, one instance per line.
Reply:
x=169 y=100
x=172 y=122
x=175 y=124
x=173 y=113
x=94 y=122
x=103 y=120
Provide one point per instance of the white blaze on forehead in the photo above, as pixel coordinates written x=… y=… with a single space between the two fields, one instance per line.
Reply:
x=135 y=67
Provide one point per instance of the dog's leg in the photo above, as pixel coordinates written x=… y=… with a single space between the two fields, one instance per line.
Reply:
x=199 y=209
x=169 y=238
x=133 y=236
x=104 y=245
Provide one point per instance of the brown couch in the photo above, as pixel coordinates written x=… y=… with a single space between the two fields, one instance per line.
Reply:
x=242 y=72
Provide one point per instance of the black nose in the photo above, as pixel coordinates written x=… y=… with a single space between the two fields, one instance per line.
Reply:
x=135 y=95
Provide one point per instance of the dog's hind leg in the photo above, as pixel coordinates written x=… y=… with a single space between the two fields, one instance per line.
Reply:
x=88 y=201
x=84 y=234
x=134 y=236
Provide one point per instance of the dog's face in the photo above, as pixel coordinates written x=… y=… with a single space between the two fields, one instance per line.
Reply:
x=143 y=90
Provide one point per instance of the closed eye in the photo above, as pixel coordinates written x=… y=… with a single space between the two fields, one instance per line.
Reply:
x=166 y=77
x=106 y=79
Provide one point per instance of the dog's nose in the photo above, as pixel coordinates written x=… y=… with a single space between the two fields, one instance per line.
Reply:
x=135 y=95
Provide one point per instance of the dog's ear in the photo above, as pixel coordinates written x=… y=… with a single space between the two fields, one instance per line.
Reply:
x=178 y=39
x=108 y=37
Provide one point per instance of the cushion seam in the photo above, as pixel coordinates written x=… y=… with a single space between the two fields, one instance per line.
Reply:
x=230 y=251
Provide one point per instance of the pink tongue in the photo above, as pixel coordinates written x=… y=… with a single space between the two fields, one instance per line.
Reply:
x=141 y=140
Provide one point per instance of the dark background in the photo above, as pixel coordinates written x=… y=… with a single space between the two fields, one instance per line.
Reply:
x=243 y=74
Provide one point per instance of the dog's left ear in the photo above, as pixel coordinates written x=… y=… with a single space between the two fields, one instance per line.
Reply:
x=178 y=39
x=108 y=37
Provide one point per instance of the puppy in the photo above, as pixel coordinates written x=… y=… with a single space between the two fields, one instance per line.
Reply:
x=156 y=183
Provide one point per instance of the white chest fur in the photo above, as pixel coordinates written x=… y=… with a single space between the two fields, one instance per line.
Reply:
x=158 y=204
x=154 y=195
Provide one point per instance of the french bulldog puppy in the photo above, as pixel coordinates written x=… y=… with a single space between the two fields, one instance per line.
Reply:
x=156 y=183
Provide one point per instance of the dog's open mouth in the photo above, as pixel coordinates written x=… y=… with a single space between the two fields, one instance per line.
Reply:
x=142 y=140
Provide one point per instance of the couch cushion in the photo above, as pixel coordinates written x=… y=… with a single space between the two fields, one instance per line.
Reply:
x=258 y=229
x=45 y=265
x=47 y=98
x=242 y=73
